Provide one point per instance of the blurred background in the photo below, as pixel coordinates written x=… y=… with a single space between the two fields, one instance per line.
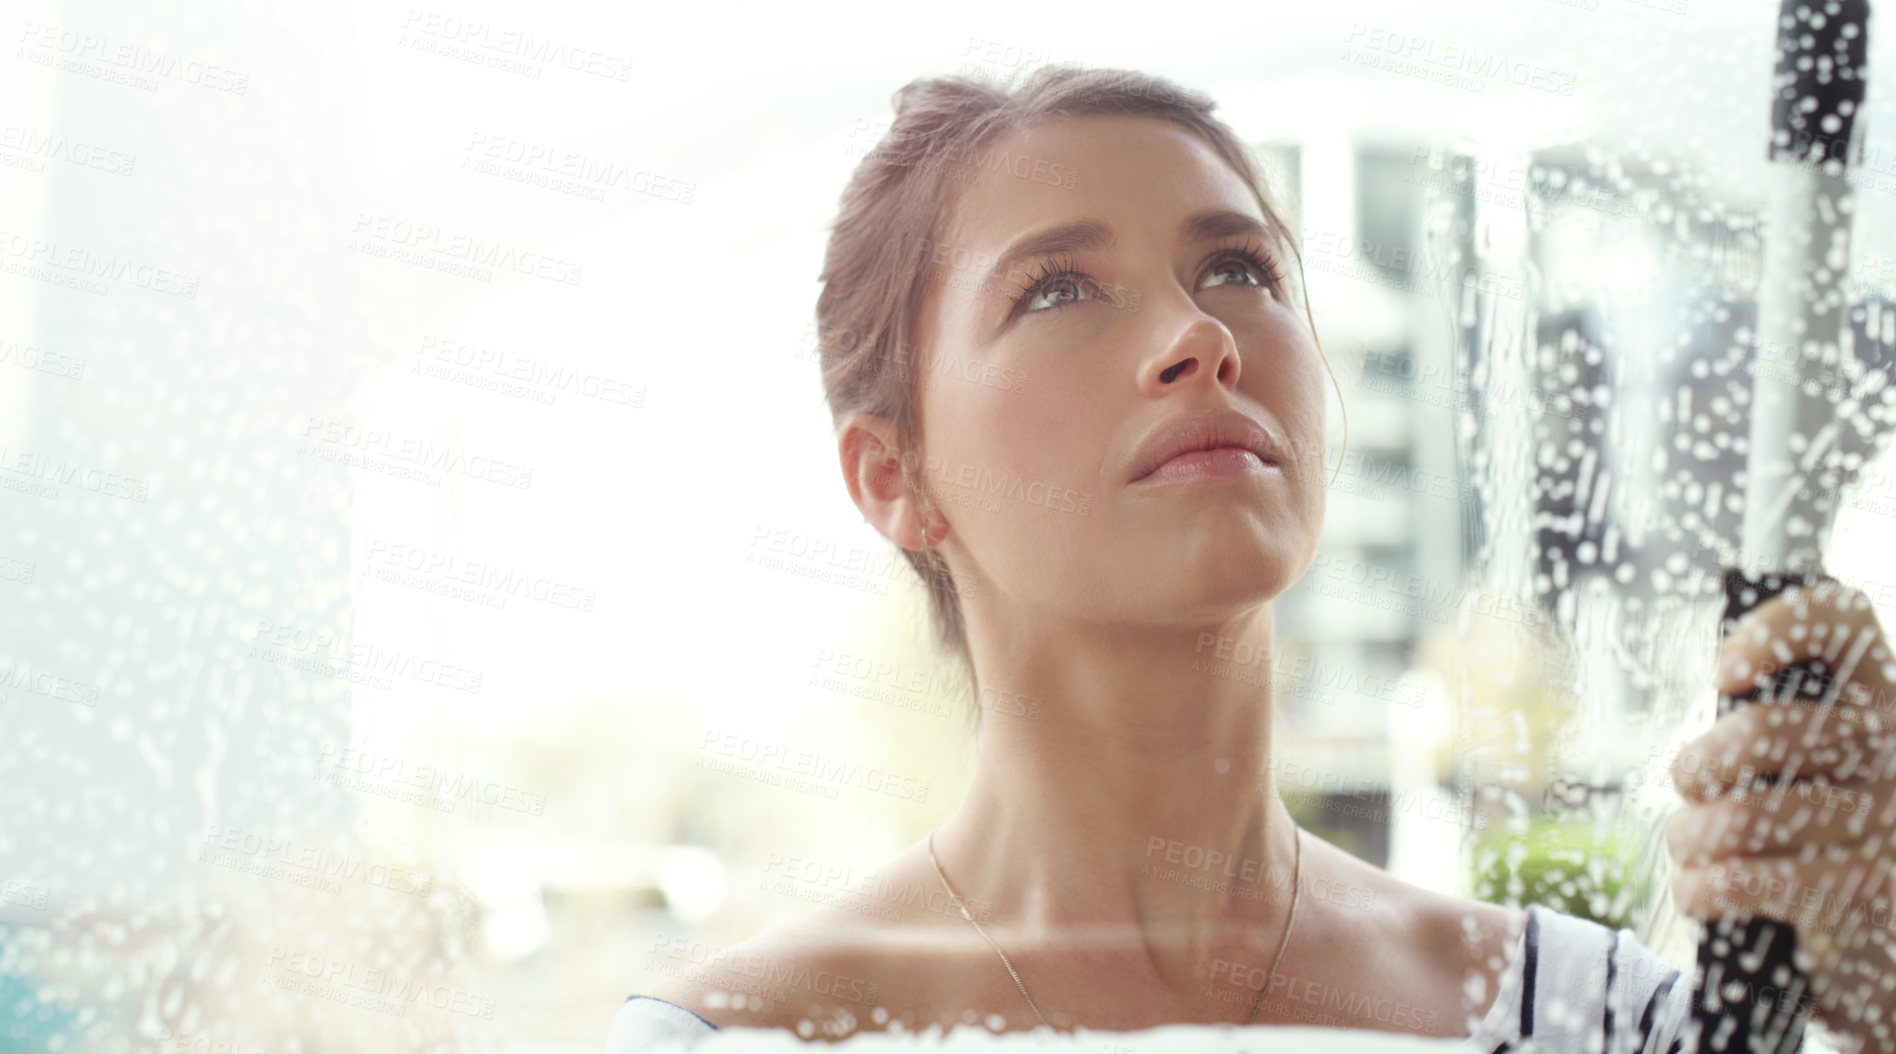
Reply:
x=422 y=546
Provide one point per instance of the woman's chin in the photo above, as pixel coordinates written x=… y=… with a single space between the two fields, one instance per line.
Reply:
x=1225 y=585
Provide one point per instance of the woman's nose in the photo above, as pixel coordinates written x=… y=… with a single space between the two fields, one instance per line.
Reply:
x=1204 y=348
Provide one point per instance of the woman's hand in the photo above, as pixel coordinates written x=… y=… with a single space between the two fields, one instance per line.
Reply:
x=1814 y=848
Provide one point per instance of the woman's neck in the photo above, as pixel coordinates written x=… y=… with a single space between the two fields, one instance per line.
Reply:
x=1134 y=811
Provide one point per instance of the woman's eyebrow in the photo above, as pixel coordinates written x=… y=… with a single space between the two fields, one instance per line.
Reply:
x=1081 y=235
x=1065 y=238
x=1222 y=223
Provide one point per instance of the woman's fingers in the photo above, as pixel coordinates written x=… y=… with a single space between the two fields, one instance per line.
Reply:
x=1827 y=621
x=1791 y=804
x=1786 y=741
x=1782 y=819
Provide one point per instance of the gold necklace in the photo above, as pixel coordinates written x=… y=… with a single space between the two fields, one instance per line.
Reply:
x=1296 y=890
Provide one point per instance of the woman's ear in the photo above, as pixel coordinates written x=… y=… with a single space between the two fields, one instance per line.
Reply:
x=872 y=469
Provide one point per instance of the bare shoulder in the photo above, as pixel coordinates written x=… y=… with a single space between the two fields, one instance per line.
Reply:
x=1464 y=943
x=1399 y=914
x=835 y=969
x=1444 y=955
x=1482 y=933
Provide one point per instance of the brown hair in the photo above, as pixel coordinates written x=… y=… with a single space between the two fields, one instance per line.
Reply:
x=876 y=277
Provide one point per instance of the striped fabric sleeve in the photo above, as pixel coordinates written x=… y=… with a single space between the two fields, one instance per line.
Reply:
x=1650 y=1010
x=1666 y=1013
x=1575 y=985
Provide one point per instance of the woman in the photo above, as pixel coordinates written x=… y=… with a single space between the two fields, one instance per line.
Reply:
x=1107 y=461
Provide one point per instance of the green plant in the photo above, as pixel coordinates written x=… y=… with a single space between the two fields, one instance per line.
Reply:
x=1565 y=866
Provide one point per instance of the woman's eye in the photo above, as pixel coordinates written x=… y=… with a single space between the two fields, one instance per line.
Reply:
x=1243 y=271
x=1253 y=268
x=1057 y=293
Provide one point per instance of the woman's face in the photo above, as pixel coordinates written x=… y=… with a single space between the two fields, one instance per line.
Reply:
x=1044 y=376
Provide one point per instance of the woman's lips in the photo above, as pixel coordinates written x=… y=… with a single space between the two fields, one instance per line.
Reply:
x=1220 y=463
x=1201 y=432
